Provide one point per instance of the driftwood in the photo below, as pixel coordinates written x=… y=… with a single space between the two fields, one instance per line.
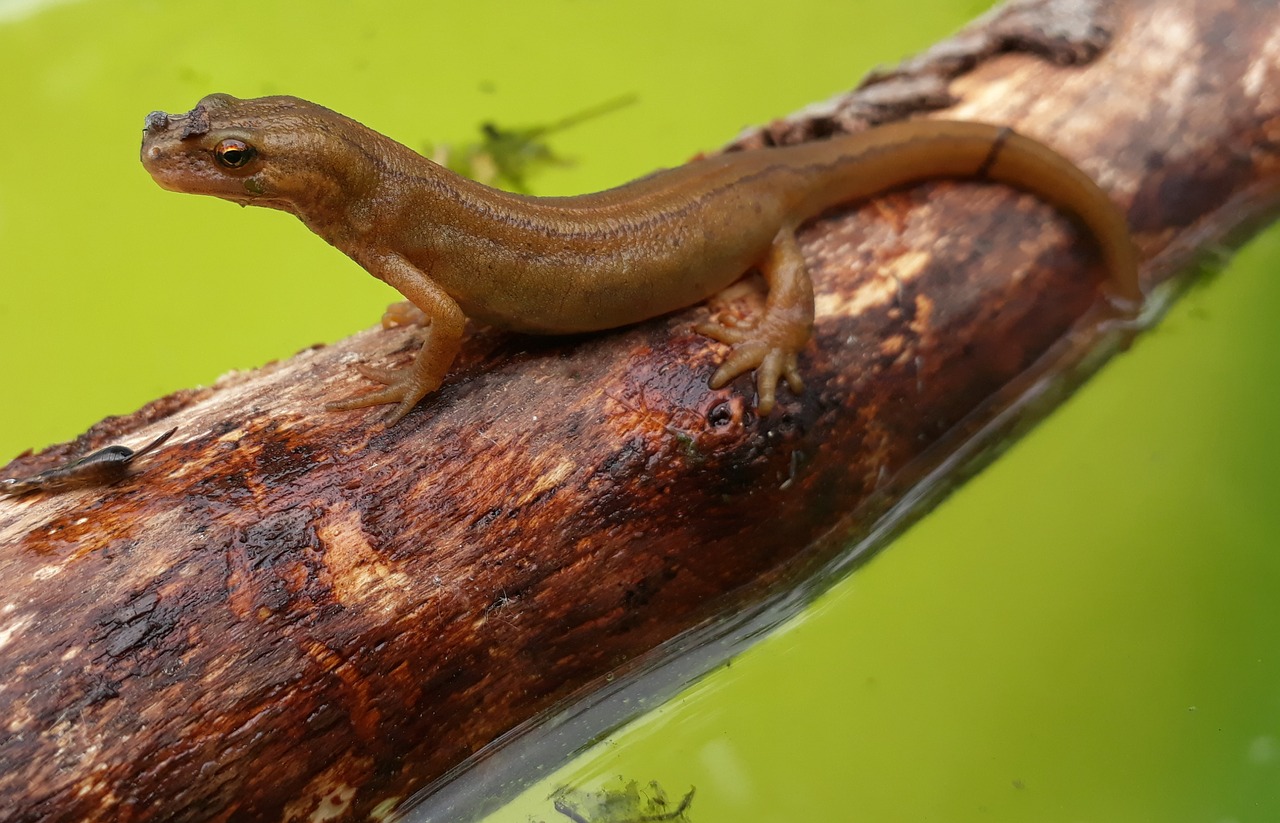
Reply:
x=285 y=611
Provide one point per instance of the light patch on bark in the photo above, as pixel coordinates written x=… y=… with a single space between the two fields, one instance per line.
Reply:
x=878 y=291
x=360 y=574
x=548 y=479
x=893 y=345
x=328 y=795
x=21 y=719
x=46 y=572
x=1260 y=79
x=8 y=632
x=1174 y=52
x=334 y=804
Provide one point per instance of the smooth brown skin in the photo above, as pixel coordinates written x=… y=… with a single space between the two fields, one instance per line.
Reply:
x=558 y=265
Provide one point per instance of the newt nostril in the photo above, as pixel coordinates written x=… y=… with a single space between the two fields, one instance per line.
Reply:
x=156 y=121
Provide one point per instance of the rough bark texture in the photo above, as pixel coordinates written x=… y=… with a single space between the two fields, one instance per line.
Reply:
x=286 y=611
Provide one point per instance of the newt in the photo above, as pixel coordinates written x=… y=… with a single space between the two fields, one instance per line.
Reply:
x=561 y=265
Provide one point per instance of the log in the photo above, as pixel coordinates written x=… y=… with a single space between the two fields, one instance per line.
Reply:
x=288 y=614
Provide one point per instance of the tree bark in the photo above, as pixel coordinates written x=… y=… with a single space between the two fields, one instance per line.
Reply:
x=286 y=611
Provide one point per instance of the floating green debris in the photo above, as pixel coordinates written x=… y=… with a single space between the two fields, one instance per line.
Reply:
x=628 y=803
x=506 y=157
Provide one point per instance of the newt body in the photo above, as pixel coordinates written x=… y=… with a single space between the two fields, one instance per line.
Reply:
x=557 y=265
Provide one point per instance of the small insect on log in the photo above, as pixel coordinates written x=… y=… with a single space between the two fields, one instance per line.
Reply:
x=100 y=468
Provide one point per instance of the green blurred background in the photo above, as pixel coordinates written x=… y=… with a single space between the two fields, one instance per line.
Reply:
x=1086 y=632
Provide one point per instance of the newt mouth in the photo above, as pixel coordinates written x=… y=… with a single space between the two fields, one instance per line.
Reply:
x=161 y=161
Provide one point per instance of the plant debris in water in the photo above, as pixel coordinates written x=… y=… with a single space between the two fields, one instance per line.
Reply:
x=628 y=803
x=505 y=157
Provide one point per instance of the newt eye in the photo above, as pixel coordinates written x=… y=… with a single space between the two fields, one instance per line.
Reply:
x=233 y=154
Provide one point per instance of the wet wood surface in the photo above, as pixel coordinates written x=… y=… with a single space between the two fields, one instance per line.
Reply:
x=284 y=612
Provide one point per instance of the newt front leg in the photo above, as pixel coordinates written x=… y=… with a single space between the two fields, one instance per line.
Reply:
x=443 y=321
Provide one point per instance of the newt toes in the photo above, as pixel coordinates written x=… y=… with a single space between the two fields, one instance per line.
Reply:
x=563 y=265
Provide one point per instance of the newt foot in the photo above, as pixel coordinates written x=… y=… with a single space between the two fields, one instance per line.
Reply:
x=771 y=349
x=404 y=387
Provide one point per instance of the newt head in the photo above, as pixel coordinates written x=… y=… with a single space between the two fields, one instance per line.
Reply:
x=279 y=152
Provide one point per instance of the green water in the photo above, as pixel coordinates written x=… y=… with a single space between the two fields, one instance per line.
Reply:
x=1086 y=632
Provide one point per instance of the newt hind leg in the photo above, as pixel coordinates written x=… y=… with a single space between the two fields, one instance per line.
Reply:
x=772 y=344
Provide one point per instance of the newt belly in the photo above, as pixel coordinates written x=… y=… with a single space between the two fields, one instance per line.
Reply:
x=556 y=265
